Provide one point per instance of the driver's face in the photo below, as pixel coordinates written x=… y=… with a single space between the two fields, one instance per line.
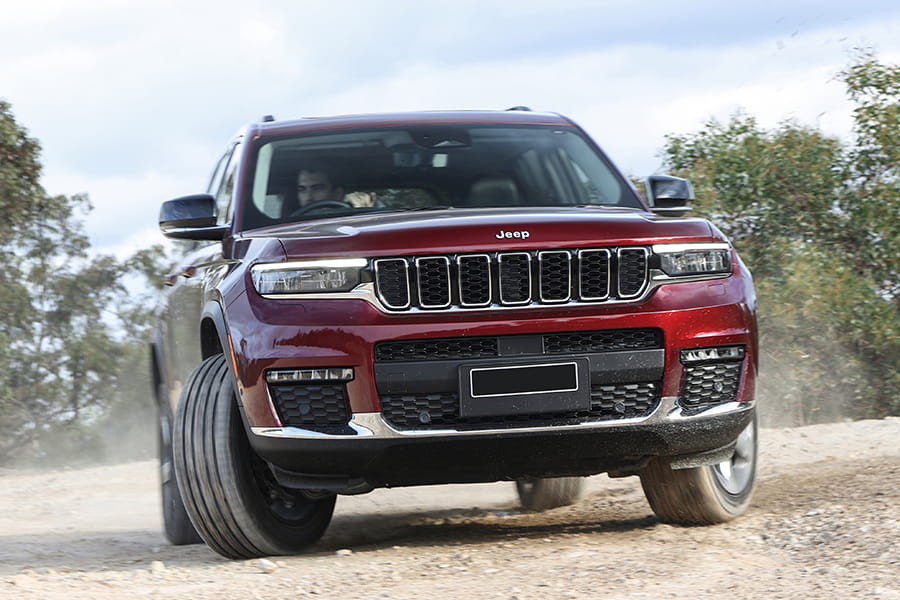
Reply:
x=313 y=186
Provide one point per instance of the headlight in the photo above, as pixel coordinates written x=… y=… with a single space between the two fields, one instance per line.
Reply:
x=308 y=276
x=678 y=260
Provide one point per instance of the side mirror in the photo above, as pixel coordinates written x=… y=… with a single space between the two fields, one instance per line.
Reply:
x=669 y=196
x=191 y=218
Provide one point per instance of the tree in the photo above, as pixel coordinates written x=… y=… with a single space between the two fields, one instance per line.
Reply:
x=817 y=222
x=69 y=334
x=872 y=200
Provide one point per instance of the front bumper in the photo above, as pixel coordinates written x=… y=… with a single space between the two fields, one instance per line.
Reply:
x=377 y=455
x=373 y=448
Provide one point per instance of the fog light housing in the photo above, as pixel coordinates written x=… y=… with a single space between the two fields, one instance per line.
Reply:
x=320 y=375
x=718 y=353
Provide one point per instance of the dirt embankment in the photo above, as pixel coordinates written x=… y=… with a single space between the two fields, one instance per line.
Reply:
x=825 y=523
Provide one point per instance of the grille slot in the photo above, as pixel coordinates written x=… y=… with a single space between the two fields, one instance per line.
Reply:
x=392 y=282
x=311 y=406
x=593 y=274
x=556 y=276
x=710 y=383
x=512 y=278
x=632 y=271
x=515 y=278
x=434 y=281
x=474 y=279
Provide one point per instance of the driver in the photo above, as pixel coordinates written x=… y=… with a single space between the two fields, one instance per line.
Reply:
x=314 y=184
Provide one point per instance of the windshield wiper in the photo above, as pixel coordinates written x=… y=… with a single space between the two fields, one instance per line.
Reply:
x=435 y=207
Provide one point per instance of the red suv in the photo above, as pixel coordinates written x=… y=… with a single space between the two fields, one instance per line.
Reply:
x=444 y=297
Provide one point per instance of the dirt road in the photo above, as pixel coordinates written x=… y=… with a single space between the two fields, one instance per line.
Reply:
x=825 y=523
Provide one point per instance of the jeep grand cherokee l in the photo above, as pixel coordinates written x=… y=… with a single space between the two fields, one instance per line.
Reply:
x=472 y=297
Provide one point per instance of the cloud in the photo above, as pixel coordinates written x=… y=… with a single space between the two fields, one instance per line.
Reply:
x=125 y=207
x=133 y=106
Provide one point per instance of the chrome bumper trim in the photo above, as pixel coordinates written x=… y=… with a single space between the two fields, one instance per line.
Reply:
x=373 y=426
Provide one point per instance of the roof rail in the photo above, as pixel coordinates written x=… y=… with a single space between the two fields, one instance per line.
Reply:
x=522 y=108
x=266 y=119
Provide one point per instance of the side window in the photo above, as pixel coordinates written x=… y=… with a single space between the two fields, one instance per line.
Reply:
x=225 y=192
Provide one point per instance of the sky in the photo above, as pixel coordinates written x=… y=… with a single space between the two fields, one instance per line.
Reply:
x=134 y=100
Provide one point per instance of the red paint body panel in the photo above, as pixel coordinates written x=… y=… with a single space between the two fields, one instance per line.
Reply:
x=332 y=333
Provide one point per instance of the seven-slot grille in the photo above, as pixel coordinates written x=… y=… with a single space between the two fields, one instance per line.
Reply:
x=512 y=278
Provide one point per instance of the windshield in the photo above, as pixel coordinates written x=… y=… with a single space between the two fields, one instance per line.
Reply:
x=316 y=176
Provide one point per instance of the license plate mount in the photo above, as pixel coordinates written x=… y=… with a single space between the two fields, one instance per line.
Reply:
x=514 y=388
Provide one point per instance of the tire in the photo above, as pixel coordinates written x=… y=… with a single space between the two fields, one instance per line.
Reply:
x=229 y=492
x=177 y=525
x=704 y=495
x=544 y=494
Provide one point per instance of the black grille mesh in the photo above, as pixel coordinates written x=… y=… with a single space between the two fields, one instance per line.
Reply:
x=711 y=383
x=433 y=411
x=311 y=406
x=609 y=340
x=556 y=285
x=632 y=271
x=437 y=349
x=602 y=341
x=474 y=280
x=515 y=282
x=434 y=282
x=391 y=280
x=593 y=274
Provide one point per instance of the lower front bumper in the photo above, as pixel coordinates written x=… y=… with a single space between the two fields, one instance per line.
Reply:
x=373 y=454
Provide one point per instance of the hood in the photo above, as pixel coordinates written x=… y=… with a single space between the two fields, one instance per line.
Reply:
x=481 y=230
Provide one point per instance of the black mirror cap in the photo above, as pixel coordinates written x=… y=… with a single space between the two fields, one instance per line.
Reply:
x=669 y=196
x=191 y=218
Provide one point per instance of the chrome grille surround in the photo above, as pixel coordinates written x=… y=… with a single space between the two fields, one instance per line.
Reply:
x=393 y=282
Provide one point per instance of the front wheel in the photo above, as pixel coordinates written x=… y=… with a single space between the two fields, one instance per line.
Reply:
x=234 y=501
x=704 y=495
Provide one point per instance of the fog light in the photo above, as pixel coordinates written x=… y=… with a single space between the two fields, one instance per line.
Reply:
x=696 y=355
x=310 y=375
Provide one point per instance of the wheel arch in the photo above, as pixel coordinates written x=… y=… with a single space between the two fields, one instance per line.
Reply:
x=214 y=339
x=213 y=331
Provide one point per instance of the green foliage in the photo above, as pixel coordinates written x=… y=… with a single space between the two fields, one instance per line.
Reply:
x=69 y=332
x=817 y=223
x=20 y=172
x=873 y=197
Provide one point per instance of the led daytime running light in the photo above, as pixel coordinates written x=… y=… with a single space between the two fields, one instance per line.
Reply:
x=310 y=375
x=721 y=353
